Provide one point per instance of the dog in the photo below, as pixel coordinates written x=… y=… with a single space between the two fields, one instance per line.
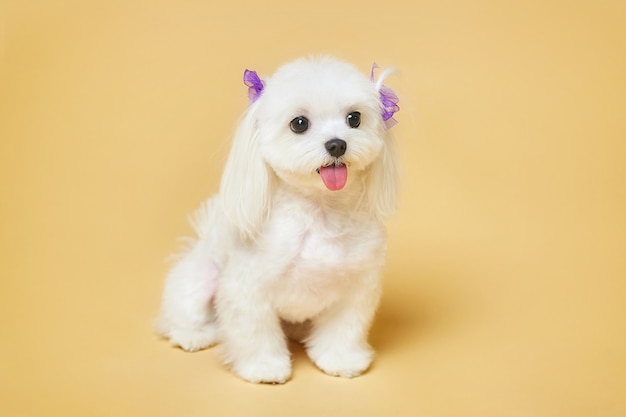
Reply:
x=294 y=243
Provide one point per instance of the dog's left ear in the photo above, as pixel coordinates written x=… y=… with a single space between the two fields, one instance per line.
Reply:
x=388 y=97
x=382 y=182
x=383 y=177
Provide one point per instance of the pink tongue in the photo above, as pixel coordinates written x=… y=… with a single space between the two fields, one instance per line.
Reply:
x=334 y=176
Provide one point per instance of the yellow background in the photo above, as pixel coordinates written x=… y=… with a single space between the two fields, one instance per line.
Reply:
x=506 y=277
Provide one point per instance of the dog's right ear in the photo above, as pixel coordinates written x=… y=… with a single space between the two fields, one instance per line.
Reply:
x=254 y=83
x=245 y=186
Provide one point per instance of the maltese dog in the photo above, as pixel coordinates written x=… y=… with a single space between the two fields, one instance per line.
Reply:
x=293 y=245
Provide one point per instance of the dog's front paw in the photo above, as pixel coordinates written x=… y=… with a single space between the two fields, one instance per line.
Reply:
x=192 y=340
x=265 y=369
x=342 y=361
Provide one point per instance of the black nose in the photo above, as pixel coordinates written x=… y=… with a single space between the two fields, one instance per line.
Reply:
x=336 y=147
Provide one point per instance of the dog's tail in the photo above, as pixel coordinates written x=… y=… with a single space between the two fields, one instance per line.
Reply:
x=203 y=220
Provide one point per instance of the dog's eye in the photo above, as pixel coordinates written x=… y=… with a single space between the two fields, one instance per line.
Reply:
x=354 y=119
x=299 y=125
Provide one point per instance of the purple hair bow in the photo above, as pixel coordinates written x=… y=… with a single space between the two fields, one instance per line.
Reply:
x=254 y=83
x=389 y=100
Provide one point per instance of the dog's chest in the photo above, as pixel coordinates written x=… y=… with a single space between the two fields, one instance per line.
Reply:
x=320 y=259
x=320 y=255
x=317 y=247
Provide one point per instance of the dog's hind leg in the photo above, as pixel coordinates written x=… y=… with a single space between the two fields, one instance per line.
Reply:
x=187 y=316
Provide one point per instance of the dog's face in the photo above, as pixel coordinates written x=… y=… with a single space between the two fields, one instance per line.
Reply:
x=319 y=124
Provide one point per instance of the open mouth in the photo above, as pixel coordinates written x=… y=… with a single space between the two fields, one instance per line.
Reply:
x=334 y=176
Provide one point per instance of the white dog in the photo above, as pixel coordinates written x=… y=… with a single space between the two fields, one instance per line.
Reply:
x=295 y=241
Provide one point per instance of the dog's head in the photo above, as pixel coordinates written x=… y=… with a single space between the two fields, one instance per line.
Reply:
x=318 y=125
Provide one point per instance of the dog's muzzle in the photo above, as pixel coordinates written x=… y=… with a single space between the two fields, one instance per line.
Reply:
x=335 y=176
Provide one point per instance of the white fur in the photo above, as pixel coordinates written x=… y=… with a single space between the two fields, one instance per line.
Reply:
x=276 y=250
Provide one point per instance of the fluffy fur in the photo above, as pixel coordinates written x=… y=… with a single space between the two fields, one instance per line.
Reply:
x=277 y=251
